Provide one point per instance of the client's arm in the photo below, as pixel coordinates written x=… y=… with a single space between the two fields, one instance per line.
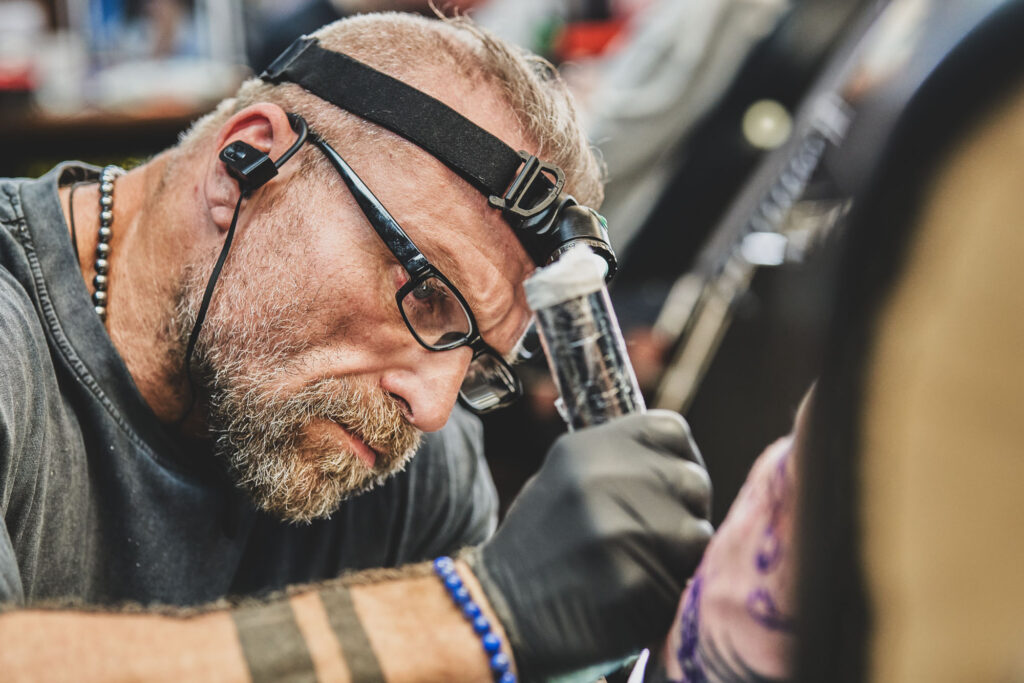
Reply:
x=735 y=622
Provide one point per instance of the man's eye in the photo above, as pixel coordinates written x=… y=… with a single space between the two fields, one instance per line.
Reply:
x=426 y=290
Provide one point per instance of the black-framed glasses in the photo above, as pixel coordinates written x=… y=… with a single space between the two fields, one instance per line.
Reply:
x=434 y=310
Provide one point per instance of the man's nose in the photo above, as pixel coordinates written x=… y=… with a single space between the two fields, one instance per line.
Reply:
x=429 y=384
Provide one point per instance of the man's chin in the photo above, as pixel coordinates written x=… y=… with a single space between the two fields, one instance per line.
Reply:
x=312 y=483
x=302 y=496
x=300 y=455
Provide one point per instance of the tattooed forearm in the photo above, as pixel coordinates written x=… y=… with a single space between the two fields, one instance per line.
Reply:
x=399 y=630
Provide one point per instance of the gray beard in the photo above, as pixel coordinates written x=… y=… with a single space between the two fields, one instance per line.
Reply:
x=262 y=432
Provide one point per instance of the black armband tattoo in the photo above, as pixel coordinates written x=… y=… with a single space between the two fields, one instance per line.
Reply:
x=355 y=645
x=272 y=645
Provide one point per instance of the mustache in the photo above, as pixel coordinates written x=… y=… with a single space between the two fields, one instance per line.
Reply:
x=364 y=410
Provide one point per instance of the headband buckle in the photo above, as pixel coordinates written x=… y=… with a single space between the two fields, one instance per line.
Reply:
x=527 y=196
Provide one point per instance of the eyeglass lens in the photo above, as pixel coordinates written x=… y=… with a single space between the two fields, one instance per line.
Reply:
x=489 y=383
x=435 y=313
x=437 y=316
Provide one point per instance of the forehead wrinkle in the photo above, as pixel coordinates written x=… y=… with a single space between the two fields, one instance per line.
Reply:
x=494 y=294
x=488 y=293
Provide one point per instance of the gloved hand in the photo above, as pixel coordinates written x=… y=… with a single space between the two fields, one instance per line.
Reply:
x=593 y=555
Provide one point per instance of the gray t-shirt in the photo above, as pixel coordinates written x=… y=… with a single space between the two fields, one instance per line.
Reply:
x=102 y=504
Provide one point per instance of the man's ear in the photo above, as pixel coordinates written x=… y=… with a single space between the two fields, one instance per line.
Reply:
x=263 y=128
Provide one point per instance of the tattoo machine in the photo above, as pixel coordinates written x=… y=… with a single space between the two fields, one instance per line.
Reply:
x=582 y=340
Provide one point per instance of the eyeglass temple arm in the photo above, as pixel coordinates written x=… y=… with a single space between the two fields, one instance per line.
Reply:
x=302 y=130
x=383 y=222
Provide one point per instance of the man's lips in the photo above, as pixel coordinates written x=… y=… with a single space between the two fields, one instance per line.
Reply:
x=366 y=455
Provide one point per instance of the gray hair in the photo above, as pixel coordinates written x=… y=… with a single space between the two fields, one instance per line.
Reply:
x=425 y=53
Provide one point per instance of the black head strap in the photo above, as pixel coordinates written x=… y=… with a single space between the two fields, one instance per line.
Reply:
x=515 y=182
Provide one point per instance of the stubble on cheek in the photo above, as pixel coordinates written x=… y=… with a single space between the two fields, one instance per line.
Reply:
x=248 y=356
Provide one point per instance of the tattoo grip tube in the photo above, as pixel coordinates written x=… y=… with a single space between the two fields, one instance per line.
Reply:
x=582 y=339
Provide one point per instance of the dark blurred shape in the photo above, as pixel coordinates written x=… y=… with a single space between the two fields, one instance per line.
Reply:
x=744 y=325
x=959 y=63
x=769 y=357
x=269 y=36
x=715 y=157
x=765 y=356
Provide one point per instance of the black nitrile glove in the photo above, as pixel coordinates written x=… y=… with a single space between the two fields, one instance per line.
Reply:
x=591 y=560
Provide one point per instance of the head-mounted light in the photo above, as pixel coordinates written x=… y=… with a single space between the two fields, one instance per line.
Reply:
x=527 y=191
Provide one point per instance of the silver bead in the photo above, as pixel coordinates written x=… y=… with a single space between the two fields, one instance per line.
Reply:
x=102 y=265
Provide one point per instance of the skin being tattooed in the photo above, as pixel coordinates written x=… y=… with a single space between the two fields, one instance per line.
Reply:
x=735 y=621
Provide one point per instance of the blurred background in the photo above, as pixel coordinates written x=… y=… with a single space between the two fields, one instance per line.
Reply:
x=765 y=160
x=682 y=98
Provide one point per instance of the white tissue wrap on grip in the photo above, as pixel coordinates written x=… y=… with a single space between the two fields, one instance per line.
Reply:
x=577 y=273
x=582 y=340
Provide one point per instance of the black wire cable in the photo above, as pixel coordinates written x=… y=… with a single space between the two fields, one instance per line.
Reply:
x=299 y=126
x=204 y=307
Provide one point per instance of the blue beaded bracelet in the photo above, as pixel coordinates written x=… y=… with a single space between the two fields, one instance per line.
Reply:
x=444 y=567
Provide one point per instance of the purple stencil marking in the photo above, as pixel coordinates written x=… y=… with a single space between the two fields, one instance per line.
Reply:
x=769 y=551
x=761 y=606
x=689 y=623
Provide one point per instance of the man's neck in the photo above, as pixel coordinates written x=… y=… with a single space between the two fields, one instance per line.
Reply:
x=146 y=260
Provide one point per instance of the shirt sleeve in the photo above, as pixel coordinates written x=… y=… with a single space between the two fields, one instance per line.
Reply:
x=10 y=579
x=19 y=351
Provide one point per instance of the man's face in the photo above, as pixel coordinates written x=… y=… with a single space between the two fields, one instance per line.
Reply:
x=317 y=390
